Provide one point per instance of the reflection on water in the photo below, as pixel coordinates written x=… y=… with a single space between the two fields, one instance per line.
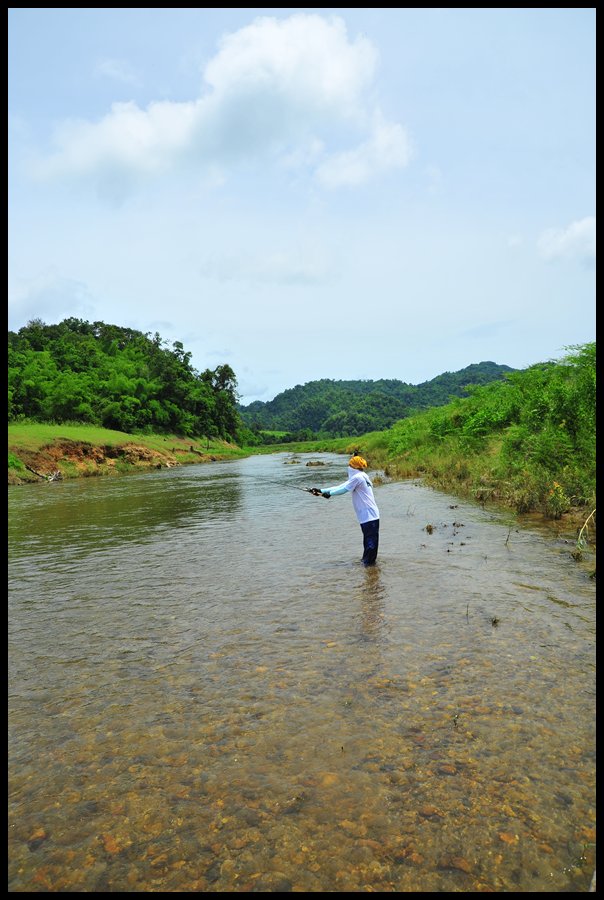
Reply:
x=85 y=514
x=372 y=605
x=209 y=692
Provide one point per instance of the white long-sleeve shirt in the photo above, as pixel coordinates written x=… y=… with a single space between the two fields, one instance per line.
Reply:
x=363 y=500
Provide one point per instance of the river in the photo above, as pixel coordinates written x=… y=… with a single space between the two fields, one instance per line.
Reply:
x=208 y=692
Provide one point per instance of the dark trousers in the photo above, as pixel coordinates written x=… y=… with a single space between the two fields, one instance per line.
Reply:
x=371 y=539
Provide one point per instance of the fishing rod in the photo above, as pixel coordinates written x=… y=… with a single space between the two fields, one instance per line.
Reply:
x=296 y=487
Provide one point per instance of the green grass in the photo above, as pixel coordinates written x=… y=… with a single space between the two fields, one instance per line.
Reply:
x=32 y=436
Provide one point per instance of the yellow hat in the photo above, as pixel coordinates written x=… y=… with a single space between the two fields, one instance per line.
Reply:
x=357 y=462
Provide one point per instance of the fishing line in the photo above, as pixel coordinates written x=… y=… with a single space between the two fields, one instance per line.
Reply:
x=296 y=487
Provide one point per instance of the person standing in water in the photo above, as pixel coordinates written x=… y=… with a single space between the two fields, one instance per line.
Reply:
x=363 y=501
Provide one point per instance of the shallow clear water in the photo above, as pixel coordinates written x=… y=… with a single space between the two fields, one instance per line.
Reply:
x=209 y=692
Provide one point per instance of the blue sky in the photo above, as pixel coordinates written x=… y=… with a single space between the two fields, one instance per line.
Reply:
x=308 y=193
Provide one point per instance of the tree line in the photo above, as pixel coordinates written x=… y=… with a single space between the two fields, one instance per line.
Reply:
x=118 y=378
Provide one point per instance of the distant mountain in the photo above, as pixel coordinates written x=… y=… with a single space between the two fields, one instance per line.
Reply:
x=350 y=408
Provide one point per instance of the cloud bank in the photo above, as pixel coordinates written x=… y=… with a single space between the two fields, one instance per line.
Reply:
x=578 y=241
x=296 y=91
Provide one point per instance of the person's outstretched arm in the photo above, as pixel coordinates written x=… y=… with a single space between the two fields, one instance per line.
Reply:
x=334 y=491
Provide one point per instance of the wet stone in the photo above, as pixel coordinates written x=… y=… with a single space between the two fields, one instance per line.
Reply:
x=430 y=812
x=249 y=816
x=273 y=882
x=455 y=862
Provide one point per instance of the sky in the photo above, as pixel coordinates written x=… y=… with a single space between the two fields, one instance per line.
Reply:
x=307 y=193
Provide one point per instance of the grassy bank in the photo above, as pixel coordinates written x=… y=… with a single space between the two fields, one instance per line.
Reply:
x=38 y=451
x=482 y=474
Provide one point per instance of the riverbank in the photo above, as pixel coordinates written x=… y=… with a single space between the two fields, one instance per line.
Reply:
x=39 y=453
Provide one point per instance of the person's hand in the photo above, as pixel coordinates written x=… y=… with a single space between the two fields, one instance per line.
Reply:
x=315 y=492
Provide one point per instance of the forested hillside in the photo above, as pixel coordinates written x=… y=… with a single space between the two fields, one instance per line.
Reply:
x=342 y=408
x=118 y=378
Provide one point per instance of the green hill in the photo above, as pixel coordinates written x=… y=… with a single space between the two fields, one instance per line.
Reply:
x=348 y=408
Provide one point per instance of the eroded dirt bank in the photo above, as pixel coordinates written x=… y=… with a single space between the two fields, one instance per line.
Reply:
x=73 y=459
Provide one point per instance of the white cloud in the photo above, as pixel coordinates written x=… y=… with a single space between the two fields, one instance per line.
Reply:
x=388 y=147
x=305 y=59
x=578 y=241
x=128 y=138
x=282 y=89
